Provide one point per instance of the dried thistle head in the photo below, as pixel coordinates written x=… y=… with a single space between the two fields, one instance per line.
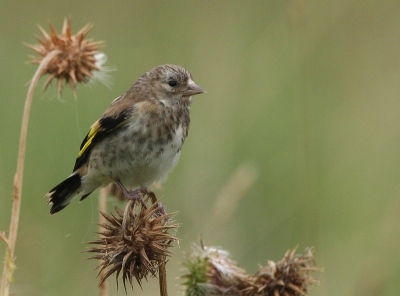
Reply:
x=289 y=277
x=211 y=272
x=134 y=242
x=74 y=59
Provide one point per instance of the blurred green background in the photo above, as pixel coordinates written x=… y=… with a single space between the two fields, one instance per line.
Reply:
x=303 y=99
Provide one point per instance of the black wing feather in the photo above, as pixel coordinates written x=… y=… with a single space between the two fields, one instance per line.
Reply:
x=105 y=125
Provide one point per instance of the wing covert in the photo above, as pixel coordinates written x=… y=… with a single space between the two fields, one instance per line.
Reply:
x=97 y=131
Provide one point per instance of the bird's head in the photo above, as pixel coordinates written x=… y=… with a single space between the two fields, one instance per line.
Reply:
x=171 y=84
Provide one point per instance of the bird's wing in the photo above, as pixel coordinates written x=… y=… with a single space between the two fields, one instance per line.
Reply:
x=115 y=116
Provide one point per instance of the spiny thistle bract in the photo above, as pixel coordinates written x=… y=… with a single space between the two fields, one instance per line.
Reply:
x=211 y=272
x=289 y=277
x=134 y=243
x=75 y=59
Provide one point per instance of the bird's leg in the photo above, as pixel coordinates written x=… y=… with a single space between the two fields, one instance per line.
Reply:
x=136 y=194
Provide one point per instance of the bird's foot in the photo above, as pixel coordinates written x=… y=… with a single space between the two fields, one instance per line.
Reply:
x=136 y=194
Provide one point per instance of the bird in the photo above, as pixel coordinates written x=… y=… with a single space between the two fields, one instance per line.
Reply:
x=137 y=140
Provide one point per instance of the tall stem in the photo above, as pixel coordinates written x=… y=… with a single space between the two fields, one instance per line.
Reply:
x=9 y=265
x=162 y=277
x=103 y=208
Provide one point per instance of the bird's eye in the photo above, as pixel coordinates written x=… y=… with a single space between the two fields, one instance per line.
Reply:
x=172 y=83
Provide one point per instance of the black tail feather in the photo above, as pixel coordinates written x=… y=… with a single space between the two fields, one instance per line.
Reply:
x=61 y=195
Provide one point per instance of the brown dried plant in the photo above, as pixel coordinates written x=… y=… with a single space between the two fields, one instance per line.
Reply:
x=134 y=243
x=65 y=57
x=289 y=277
x=75 y=59
x=210 y=271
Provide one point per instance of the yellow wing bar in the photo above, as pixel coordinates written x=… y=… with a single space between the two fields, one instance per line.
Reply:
x=93 y=131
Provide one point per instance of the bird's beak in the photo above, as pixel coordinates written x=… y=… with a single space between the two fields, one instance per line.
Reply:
x=193 y=89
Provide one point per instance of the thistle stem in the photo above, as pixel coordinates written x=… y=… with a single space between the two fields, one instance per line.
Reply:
x=103 y=208
x=9 y=265
x=162 y=277
x=162 y=270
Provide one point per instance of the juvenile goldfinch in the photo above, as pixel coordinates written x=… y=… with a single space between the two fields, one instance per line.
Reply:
x=137 y=141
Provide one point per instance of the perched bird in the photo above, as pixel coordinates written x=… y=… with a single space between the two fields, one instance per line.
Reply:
x=137 y=140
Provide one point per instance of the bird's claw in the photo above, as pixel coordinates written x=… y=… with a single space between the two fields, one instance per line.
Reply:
x=136 y=195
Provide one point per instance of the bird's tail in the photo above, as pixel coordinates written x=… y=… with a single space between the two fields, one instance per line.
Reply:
x=61 y=195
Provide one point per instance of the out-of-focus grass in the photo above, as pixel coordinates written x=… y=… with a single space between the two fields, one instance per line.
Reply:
x=307 y=91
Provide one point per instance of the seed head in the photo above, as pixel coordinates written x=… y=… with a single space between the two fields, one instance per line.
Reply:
x=75 y=60
x=133 y=243
x=210 y=271
x=290 y=276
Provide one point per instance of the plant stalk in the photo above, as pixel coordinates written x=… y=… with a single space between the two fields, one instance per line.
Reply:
x=162 y=278
x=103 y=208
x=9 y=265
